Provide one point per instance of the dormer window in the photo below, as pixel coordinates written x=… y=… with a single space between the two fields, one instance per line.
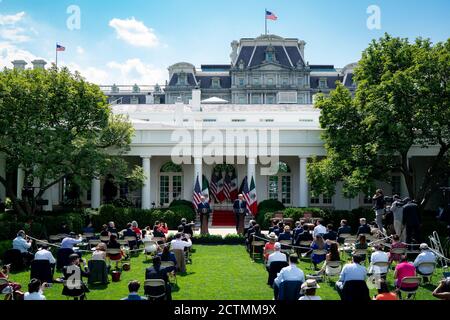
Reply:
x=182 y=79
x=136 y=89
x=270 y=54
x=241 y=64
x=323 y=83
x=215 y=83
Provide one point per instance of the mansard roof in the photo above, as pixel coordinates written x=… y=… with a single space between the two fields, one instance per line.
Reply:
x=206 y=81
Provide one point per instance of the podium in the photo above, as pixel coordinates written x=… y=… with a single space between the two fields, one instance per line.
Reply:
x=241 y=223
x=204 y=220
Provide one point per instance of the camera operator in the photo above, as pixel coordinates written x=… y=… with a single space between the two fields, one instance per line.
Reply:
x=378 y=206
x=397 y=210
x=443 y=290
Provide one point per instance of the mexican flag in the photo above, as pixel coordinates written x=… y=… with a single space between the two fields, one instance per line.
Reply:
x=234 y=186
x=252 y=199
x=205 y=187
x=220 y=195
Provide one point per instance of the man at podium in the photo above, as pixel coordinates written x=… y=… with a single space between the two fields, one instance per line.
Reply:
x=240 y=210
x=204 y=210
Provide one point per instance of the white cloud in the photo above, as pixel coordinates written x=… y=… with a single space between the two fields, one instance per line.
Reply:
x=135 y=71
x=134 y=32
x=11 y=19
x=80 y=50
x=9 y=52
x=14 y=35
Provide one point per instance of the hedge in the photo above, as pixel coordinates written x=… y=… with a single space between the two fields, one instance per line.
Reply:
x=265 y=207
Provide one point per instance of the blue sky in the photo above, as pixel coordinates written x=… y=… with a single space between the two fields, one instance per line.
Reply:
x=136 y=40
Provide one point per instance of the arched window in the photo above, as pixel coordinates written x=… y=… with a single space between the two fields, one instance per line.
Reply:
x=280 y=185
x=170 y=183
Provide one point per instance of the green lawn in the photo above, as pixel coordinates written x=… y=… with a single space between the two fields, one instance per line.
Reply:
x=217 y=273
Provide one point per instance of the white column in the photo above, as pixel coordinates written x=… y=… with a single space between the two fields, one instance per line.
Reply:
x=198 y=171
x=95 y=193
x=55 y=193
x=20 y=182
x=146 y=200
x=303 y=183
x=251 y=169
x=3 y=175
x=48 y=195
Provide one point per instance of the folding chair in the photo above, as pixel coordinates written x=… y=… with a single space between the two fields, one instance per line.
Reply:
x=53 y=238
x=159 y=240
x=88 y=235
x=431 y=265
x=116 y=254
x=155 y=289
x=398 y=251
x=41 y=269
x=75 y=293
x=377 y=266
x=7 y=290
x=181 y=260
x=319 y=252
x=332 y=269
x=14 y=257
x=305 y=244
x=172 y=274
x=257 y=244
x=284 y=244
x=98 y=272
x=104 y=239
x=93 y=243
x=150 y=248
x=409 y=280
x=130 y=241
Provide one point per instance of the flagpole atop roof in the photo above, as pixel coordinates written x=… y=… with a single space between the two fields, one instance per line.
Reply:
x=265 y=20
x=56 y=49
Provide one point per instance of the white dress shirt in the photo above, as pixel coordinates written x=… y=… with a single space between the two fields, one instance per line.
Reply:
x=378 y=256
x=276 y=256
x=290 y=273
x=68 y=242
x=21 y=244
x=353 y=271
x=319 y=229
x=180 y=244
x=425 y=256
x=44 y=254
x=34 y=296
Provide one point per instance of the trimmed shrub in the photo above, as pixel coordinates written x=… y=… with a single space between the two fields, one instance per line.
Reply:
x=177 y=203
x=4 y=246
x=265 y=207
x=218 y=239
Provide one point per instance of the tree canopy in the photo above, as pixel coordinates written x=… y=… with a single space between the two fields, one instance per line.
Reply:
x=54 y=124
x=401 y=102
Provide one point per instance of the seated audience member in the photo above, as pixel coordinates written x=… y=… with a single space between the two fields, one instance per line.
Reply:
x=361 y=244
x=256 y=235
x=289 y=273
x=304 y=236
x=4 y=274
x=128 y=232
x=133 y=289
x=156 y=272
x=64 y=229
x=112 y=228
x=146 y=235
x=23 y=244
x=279 y=228
x=286 y=234
x=35 y=290
x=274 y=225
x=100 y=252
x=309 y=290
x=442 y=291
x=70 y=241
x=383 y=291
x=179 y=244
x=353 y=271
x=77 y=268
x=330 y=234
x=396 y=243
x=343 y=229
x=105 y=231
x=157 y=232
x=249 y=233
x=426 y=255
x=163 y=227
x=136 y=230
x=319 y=229
x=298 y=229
x=44 y=254
x=378 y=256
x=363 y=228
x=89 y=228
x=277 y=255
x=332 y=255
x=318 y=244
x=402 y=270
x=166 y=255
x=113 y=244
x=270 y=246
x=187 y=227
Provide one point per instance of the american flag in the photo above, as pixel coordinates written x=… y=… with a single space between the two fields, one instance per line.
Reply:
x=227 y=185
x=271 y=16
x=60 y=48
x=197 y=197
x=213 y=185
x=246 y=192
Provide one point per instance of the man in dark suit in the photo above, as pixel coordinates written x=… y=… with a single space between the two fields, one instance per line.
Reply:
x=204 y=210
x=186 y=227
x=363 y=228
x=239 y=208
x=331 y=234
x=411 y=220
x=128 y=232
x=156 y=272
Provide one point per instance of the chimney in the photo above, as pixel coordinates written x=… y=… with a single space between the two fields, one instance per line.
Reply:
x=196 y=99
x=38 y=64
x=19 y=64
x=301 y=46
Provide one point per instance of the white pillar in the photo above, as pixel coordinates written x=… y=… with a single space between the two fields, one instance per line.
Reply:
x=48 y=195
x=303 y=183
x=198 y=171
x=55 y=194
x=146 y=200
x=20 y=182
x=3 y=175
x=251 y=169
x=95 y=193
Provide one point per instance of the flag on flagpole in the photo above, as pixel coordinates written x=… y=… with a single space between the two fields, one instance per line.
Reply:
x=220 y=195
x=271 y=16
x=213 y=186
x=253 y=201
x=234 y=186
x=241 y=188
x=246 y=192
x=205 y=186
x=197 y=197
x=60 y=48
x=227 y=186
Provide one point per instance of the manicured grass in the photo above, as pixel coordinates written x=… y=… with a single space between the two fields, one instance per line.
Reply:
x=223 y=272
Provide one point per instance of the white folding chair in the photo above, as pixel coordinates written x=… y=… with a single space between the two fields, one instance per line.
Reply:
x=151 y=284
x=172 y=274
x=424 y=264
x=318 y=252
x=333 y=269
x=378 y=266
x=256 y=244
x=411 y=281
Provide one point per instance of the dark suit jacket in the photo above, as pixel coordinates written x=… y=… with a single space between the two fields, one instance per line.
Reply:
x=285 y=236
x=411 y=215
x=330 y=235
x=160 y=273
x=129 y=233
x=363 y=229
x=202 y=206
x=237 y=206
x=345 y=230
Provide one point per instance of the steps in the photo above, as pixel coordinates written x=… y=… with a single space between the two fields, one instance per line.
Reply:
x=223 y=218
